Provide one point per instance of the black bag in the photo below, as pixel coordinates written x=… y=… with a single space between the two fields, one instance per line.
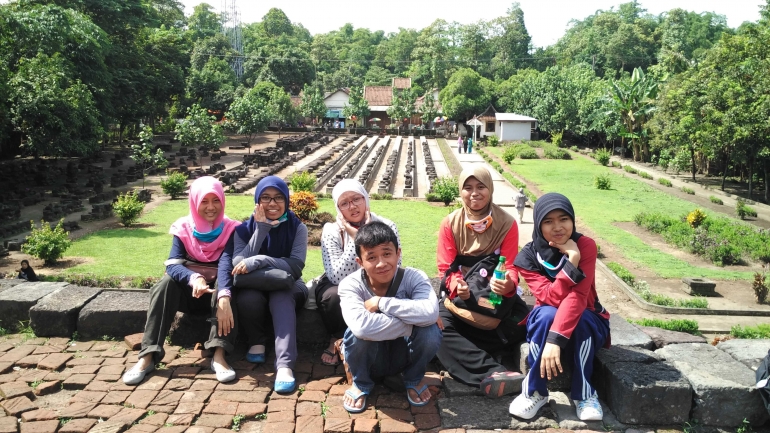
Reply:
x=763 y=380
x=478 y=276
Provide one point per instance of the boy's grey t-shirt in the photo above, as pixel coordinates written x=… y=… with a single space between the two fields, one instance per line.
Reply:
x=415 y=304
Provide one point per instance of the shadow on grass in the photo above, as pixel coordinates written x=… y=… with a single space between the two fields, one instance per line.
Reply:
x=130 y=233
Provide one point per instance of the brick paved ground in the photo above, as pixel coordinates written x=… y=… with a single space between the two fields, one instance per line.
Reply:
x=53 y=385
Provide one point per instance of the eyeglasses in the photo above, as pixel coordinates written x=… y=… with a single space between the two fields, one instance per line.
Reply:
x=265 y=199
x=356 y=202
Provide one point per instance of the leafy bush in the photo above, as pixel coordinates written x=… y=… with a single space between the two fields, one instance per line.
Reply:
x=552 y=151
x=622 y=273
x=603 y=157
x=556 y=139
x=688 y=190
x=383 y=196
x=324 y=217
x=303 y=204
x=695 y=218
x=128 y=208
x=615 y=164
x=759 y=287
x=529 y=153
x=146 y=283
x=493 y=140
x=175 y=184
x=320 y=195
x=743 y=211
x=645 y=175
x=91 y=280
x=497 y=167
x=716 y=200
x=446 y=189
x=643 y=289
x=754 y=332
x=302 y=181
x=521 y=151
x=665 y=182
x=629 y=169
x=47 y=243
x=432 y=197
x=574 y=149
x=679 y=325
x=603 y=181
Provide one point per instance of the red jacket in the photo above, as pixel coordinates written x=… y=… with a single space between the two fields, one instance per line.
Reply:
x=572 y=292
x=447 y=251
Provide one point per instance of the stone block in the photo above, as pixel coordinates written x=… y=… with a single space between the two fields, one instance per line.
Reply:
x=16 y=389
x=56 y=315
x=310 y=424
x=18 y=405
x=8 y=424
x=54 y=361
x=723 y=388
x=114 y=313
x=626 y=334
x=313 y=329
x=134 y=341
x=663 y=337
x=474 y=412
x=15 y=304
x=393 y=426
x=562 y=382
x=40 y=426
x=749 y=352
x=11 y=282
x=82 y=425
x=699 y=286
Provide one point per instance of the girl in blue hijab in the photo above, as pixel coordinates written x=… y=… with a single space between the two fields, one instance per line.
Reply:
x=273 y=240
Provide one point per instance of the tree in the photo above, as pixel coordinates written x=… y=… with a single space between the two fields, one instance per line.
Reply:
x=312 y=105
x=429 y=108
x=511 y=40
x=249 y=115
x=402 y=106
x=634 y=100
x=203 y=23
x=213 y=87
x=143 y=154
x=466 y=94
x=358 y=107
x=199 y=129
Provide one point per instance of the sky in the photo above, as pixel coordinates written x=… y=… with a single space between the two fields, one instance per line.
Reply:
x=546 y=20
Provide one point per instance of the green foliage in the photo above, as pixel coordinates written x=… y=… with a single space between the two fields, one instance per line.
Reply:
x=446 y=189
x=493 y=141
x=551 y=151
x=603 y=181
x=751 y=332
x=678 y=325
x=47 y=243
x=175 y=184
x=696 y=218
x=743 y=210
x=522 y=151
x=603 y=156
x=433 y=197
x=198 y=129
x=466 y=94
x=248 y=115
x=143 y=155
x=312 y=104
x=715 y=200
x=357 y=107
x=128 y=208
x=556 y=139
x=629 y=169
x=688 y=190
x=384 y=196
x=615 y=164
x=91 y=280
x=304 y=204
x=429 y=108
x=621 y=272
x=645 y=175
x=665 y=182
x=760 y=287
x=633 y=99
x=402 y=106
x=237 y=419
x=643 y=289
x=302 y=181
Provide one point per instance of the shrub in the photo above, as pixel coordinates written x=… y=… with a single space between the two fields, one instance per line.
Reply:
x=622 y=273
x=446 y=189
x=91 y=280
x=497 y=167
x=432 y=197
x=174 y=185
x=146 y=283
x=493 y=140
x=695 y=218
x=755 y=332
x=679 y=325
x=324 y=217
x=574 y=149
x=645 y=175
x=521 y=151
x=556 y=139
x=47 y=243
x=384 y=196
x=551 y=151
x=320 y=195
x=302 y=181
x=715 y=200
x=303 y=204
x=615 y=164
x=603 y=181
x=603 y=157
x=629 y=169
x=643 y=289
x=688 y=190
x=759 y=287
x=528 y=153
x=665 y=182
x=128 y=208
x=743 y=211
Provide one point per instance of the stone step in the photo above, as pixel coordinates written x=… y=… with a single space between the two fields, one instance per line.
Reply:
x=15 y=304
x=114 y=313
x=56 y=315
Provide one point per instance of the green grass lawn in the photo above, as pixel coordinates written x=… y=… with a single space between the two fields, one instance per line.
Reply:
x=600 y=209
x=140 y=252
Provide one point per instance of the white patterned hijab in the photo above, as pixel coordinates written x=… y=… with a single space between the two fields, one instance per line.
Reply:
x=348 y=185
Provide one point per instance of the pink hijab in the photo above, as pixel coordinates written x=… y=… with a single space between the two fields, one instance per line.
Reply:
x=183 y=227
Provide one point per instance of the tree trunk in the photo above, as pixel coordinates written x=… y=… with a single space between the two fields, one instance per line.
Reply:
x=692 y=158
x=645 y=151
x=724 y=169
x=767 y=187
x=751 y=174
x=120 y=133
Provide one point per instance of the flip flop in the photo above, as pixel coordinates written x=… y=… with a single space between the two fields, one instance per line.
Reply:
x=330 y=353
x=502 y=383
x=419 y=393
x=355 y=397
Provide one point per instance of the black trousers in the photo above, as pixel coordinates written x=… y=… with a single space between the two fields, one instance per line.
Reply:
x=328 y=302
x=466 y=351
x=166 y=298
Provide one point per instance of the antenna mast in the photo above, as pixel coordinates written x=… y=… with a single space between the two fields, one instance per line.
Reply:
x=231 y=29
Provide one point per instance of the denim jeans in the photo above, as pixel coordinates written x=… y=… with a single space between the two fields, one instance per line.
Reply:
x=370 y=360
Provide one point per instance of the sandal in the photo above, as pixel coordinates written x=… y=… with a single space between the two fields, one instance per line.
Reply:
x=502 y=383
x=355 y=397
x=332 y=354
x=419 y=393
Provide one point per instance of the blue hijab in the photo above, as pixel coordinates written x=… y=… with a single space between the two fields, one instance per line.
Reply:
x=280 y=239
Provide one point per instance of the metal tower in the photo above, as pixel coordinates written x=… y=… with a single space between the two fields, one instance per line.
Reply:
x=231 y=29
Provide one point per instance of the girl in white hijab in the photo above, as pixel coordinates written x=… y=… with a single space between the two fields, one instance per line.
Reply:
x=339 y=256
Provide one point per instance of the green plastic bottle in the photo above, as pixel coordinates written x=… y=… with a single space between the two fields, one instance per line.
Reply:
x=500 y=272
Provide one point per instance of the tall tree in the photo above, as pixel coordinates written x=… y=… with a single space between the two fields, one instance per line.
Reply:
x=466 y=94
x=358 y=107
x=312 y=105
x=634 y=100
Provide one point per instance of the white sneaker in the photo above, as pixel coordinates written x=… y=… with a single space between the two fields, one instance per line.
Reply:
x=527 y=407
x=135 y=375
x=224 y=375
x=589 y=409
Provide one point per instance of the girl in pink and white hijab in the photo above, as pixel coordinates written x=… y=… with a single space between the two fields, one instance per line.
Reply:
x=197 y=280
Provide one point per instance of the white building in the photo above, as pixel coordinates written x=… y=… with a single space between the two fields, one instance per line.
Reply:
x=514 y=127
x=335 y=102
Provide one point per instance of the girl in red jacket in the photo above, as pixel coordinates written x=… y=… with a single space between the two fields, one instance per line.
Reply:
x=559 y=266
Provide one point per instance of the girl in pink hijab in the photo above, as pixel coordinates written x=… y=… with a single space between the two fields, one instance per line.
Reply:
x=197 y=280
